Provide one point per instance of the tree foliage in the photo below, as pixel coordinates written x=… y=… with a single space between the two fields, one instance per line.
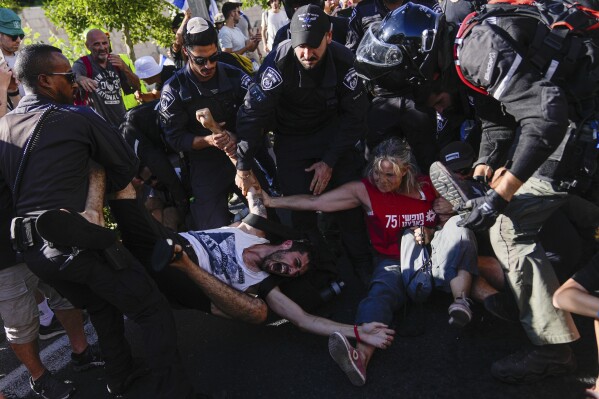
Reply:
x=138 y=20
x=12 y=4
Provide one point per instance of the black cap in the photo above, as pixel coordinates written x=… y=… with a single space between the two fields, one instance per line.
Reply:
x=308 y=26
x=457 y=155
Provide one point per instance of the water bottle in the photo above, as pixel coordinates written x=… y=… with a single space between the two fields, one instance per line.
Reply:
x=331 y=290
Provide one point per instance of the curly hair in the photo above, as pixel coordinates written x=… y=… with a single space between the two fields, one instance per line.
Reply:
x=399 y=154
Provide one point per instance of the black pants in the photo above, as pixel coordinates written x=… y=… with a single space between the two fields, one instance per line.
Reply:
x=400 y=117
x=140 y=231
x=89 y=282
x=293 y=179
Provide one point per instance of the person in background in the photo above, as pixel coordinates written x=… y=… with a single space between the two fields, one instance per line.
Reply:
x=273 y=19
x=11 y=36
x=150 y=72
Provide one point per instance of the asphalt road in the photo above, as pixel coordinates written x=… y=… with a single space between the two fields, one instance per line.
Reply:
x=228 y=359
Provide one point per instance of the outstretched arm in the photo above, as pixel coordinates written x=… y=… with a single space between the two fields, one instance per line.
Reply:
x=230 y=301
x=347 y=196
x=94 y=205
x=256 y=205
x=375 y=334
x=573 y=297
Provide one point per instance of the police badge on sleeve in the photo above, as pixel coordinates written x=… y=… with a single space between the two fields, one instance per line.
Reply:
x=351 y=79
x=270 y=79
x=245 y=81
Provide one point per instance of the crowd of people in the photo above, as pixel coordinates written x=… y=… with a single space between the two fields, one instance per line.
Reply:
x=365 y=129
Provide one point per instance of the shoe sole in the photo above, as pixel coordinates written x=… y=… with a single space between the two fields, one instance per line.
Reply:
x=458 y=317
x=70 y=229
x=447 y=188
x=340 y=352
x=52 y=334
x=554 y=370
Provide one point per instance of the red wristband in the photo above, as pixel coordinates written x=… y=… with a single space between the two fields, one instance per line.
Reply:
x=358 y=340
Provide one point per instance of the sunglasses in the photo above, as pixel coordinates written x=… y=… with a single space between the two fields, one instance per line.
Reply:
x=203 y=60
x=15 y=37
x=69 y=75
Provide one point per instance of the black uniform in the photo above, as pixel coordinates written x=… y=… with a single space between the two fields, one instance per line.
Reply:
x=394 y=112
x=524 y=120
x=56 y=176
x=212 y=173
x=318 y=116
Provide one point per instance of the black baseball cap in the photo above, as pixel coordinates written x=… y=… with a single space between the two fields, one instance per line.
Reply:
x=309 y=25
x=457 y=155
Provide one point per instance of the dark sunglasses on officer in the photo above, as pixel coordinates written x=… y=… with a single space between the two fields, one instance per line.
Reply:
x=70 y=76
x=201 y=61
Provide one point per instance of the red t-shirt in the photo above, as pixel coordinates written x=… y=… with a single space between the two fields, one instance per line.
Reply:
x=392 y=213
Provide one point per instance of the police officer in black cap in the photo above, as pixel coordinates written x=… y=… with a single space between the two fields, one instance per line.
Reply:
x=534 y=104
x=204 y=83
x=48 y=149
x=309 y=90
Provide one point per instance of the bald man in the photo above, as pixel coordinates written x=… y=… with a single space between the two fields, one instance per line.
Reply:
x=101 y=75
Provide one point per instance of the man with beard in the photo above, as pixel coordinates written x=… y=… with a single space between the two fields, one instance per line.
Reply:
x=101 y=75
x=204 y=83
x=229 y=271
x=309 y=95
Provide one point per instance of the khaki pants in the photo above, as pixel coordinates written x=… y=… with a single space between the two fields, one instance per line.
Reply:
x=529 y=273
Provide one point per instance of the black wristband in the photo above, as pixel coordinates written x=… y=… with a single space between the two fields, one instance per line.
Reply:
x=13 y=93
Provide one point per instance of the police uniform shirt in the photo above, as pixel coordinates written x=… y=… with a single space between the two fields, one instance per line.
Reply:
x=57 y=172
x=184 y=94
x=313 y=120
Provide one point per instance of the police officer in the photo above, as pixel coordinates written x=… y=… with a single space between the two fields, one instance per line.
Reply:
x=53 y=173
x=204 y=83
x=395 y=110
x=317 y=104
x=497 y=56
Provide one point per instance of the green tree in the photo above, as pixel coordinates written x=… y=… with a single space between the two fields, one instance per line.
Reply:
x=12 y=4
x=138 y=20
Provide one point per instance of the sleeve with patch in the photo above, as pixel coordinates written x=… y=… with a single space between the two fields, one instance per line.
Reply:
x=174 y=120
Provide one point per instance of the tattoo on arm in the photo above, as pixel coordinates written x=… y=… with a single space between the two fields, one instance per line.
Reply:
x=256 y=204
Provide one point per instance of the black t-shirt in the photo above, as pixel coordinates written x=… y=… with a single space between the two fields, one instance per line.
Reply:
x=56 y=174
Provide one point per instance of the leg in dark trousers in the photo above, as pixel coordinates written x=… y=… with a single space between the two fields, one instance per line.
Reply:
x=90 y=282
x=140 y=231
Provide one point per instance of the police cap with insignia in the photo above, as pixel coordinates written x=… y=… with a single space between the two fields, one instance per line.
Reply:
x=10 y=23
x=199 y=32
x=457 y=155
x=308 y=26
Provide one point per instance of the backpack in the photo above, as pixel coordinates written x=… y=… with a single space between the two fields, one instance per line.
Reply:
x=562 y=50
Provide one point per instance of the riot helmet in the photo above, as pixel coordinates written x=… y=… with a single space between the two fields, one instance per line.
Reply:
x=404 y=44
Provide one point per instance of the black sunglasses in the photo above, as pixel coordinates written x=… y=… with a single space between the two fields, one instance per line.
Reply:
x=69 y=75
x=203 y=60
x=15 y=37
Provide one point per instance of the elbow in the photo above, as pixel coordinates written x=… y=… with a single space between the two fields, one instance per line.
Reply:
x=558 y=298
x=258 y=314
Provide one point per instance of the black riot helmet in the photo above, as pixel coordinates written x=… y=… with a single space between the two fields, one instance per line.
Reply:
x=404 y=44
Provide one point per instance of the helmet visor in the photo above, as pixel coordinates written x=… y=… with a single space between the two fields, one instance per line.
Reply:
x=375 y=55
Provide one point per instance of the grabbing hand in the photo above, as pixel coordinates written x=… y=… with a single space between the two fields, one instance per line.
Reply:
x=322 y=176
x=376 y=334
x=483 y=211
x=244 y=179
x=204 y=116
x=422 y=235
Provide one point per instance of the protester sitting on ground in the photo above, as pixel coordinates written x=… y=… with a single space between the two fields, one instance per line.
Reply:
x=148 y=70
x=398 y=203
x=579 y=295
x=216 y=270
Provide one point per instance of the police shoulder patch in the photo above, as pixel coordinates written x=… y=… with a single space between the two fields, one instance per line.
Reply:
x=270 y=79
x=351 y=79
x=245 y=81
x=166 y=100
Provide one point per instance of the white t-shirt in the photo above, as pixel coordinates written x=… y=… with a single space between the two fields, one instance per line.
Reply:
x=275 y=21
x=231 y=38
x=10 y=61
x=220 y=253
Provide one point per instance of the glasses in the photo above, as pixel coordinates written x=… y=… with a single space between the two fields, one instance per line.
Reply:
x=69 y=75
x=203 y=60
x=15 y=37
